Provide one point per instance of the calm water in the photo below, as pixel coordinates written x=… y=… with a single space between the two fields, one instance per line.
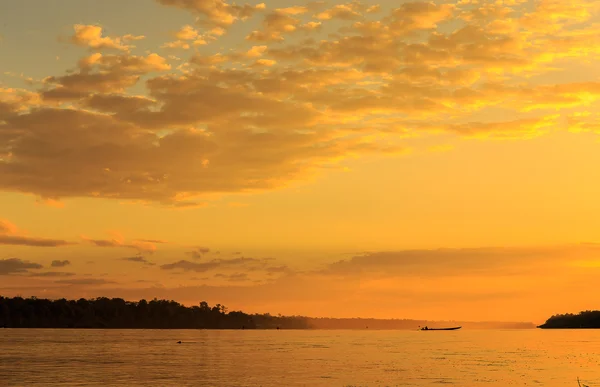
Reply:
x=298 y=358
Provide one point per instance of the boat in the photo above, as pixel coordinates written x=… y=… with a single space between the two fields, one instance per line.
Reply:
x=440 y=329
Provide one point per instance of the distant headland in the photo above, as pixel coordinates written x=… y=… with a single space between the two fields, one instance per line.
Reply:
x=589 y=319
x=116 y=313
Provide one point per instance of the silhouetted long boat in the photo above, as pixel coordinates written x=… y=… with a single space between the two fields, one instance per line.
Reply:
x=440 y=329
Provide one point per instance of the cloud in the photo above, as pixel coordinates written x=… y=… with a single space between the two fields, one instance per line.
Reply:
x=458 y=262
x=99 y=73
x=121 y=151
x=236 y=277
x=198 y=253
x=16 y=266
x=188 y=36
x=143 y=246
x=295 y=10
x=212 y=265
x=84 y=281
x=14 y=101
x=279 y=22
x=10 y=235
x=187 y=32
x=272 y=270
x=7 y=228
x=157 y=241
x=138 y=259
x=57 y=263
x=91 y=36
x=415 y=16
x=52 y=274
x=349 y=11
x=31 y=241
x=446 y=283
x=261 y=118
x=525 y=128
x=215 y=12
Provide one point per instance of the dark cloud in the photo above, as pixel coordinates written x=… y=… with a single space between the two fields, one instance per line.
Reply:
x=16 y=266
x=58 y=263
x=138 y=259
x=211 y=265
x=52 y=274
x=31 y=241
x=84 y=281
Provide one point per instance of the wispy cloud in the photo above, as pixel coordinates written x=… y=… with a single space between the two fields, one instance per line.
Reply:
x=143 y=246
x=202 y=267
x=236 y=277
x=84 y=281
x=11 y=235
x=457 y=262
x=138 y=259
x=16 y=266
x=52 y=274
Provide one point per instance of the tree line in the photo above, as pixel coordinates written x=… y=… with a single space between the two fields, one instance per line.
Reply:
x=582 y=320
x=18 y=312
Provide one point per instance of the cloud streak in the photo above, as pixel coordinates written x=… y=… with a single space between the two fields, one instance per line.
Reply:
x=10 y=235
x=456 y=262
x=17 y=266
x=138 y=259
x=202 y=267
x=143 y=246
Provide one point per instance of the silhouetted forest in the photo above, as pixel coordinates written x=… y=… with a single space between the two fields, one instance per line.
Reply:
x=33 y=312
x=589 y=319
x=104 y=312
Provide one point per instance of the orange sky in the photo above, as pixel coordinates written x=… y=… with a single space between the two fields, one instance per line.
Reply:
x=409 y=160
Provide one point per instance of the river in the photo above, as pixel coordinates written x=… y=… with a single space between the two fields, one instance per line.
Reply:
x=52 y=357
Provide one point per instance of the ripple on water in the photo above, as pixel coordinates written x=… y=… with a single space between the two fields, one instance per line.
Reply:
x=316 y=358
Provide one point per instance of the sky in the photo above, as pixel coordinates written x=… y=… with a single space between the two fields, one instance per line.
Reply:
x=388 y=159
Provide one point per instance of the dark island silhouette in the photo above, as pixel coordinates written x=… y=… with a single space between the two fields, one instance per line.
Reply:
x=116 y=313
x=589 y=319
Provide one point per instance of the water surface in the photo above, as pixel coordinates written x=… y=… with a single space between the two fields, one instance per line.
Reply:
x=48 y=357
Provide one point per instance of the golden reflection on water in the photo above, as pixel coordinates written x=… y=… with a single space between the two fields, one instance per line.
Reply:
x=298 y=358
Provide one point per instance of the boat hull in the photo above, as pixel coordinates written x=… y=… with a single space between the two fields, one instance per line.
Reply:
x=441 y=329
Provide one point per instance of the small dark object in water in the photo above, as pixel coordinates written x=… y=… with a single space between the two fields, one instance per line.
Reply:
x=440 y=329
x=179 y=342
